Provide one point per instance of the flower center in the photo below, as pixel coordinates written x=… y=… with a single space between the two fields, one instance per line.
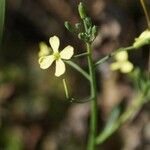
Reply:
x=56 y=55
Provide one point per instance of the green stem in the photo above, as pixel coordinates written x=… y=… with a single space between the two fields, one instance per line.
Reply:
x=65 y=88
x=128 y=114
x=146 y=13
x=93 y=121
x=81 y=55
x=79 y=69
x=104 y=59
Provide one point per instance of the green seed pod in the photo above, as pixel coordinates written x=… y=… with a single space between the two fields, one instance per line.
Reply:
x=82 y=10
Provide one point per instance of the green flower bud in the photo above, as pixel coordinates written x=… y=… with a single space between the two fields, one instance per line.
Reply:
x=69 y=26
x=81 y=36
x=82 y=10
x=94 y=31
x=78 y=26
x=88 y=22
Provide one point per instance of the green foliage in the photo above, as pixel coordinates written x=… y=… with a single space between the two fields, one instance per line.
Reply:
x=89 y=33
x=141 y=82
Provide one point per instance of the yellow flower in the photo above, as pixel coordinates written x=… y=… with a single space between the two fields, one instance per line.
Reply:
x=44 y=49
x=122 y=63
x=46 y=60
x=142 y=40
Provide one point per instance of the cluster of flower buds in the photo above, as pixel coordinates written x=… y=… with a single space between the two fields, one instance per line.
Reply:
x=87 y=35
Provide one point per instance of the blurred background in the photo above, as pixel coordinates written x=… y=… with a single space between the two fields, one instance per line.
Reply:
x=34 y=113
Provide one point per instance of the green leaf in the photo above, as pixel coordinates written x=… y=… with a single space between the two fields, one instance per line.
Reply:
x=109 y=127
x=114 y=115
x=2 y=16
x=141 y=81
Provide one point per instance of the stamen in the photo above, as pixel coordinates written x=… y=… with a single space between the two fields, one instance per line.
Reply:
x=56 y=55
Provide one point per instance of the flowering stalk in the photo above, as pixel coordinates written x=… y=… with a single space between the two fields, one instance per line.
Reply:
x=102 y=60
x=88 y=36
x=48 y=55
x=93 y=122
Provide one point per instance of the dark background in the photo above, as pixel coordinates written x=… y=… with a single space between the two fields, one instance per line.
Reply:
x=34 y=113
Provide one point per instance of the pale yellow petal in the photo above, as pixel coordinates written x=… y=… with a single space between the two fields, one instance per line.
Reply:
x=67 y=52
x=115 y=66
x=54 y=42
x=46 y=61
x=44 y=49
x=142 y=40
x=60 y=68
x=121 y=56
x=126 y=67
x=145 y=34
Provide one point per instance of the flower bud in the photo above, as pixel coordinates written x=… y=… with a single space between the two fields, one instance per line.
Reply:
x=94 y=31
x=69 y=26
x=81 y=36
x=82 y=11
x=78 y=26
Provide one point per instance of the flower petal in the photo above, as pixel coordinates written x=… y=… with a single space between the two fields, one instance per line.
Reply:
x=46 y=61
x=67 y=52
x=126 y=67
x=121 y=56
x=142 y=40
x=60 y=68
x=44 y=49
x=54 y=42
x=115 y=66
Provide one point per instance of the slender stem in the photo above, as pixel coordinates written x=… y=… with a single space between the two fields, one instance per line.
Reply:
x=93 y=121
x=128 y=114
x=145 y=12
x=65 y=88
x=81 y=55
x=79 y=69
x=104 y=59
